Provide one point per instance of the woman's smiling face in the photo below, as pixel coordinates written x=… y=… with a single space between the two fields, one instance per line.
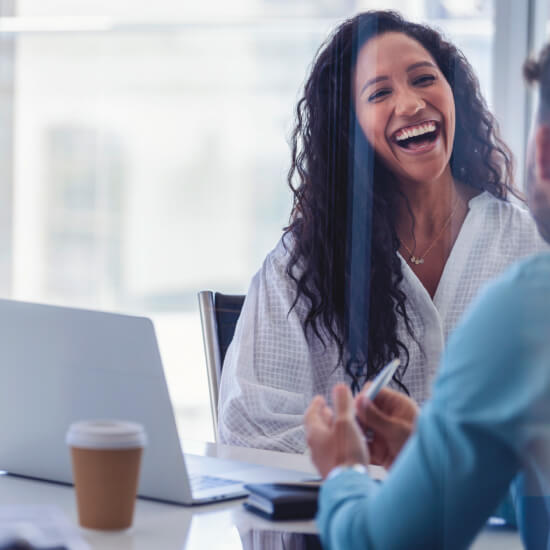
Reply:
x=405 y=107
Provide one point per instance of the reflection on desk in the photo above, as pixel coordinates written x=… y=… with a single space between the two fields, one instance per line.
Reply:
x=224 y=525
x=277 y=540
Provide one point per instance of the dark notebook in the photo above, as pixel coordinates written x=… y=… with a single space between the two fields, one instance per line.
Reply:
x=282 y=501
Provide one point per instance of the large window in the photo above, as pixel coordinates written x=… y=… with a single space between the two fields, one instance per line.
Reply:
x=144 y=150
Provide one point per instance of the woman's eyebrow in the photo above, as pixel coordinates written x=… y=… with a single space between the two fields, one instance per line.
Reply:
x=420 y=64
x=372 y=81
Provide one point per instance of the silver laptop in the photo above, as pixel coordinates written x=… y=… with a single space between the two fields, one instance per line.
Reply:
x=59 y=365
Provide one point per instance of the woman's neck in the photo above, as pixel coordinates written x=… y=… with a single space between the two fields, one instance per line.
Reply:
x=431 y=205
x=438 y=210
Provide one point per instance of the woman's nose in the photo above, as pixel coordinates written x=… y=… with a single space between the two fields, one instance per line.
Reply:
x=408 y=104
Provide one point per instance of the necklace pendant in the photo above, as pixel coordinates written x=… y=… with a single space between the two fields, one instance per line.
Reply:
x=416 y=261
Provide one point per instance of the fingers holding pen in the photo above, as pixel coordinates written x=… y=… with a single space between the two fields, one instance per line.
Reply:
x=391 y=418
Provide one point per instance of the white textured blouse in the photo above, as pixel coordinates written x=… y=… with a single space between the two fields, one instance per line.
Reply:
x=273 y=368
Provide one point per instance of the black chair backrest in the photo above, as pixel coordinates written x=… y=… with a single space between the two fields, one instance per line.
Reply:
x=228 y=308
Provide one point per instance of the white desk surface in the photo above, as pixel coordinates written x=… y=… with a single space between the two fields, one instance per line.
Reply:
x=223 y=526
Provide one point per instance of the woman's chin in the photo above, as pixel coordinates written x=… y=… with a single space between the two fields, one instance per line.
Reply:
x=428 y=174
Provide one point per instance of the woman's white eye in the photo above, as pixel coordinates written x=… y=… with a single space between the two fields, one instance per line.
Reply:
x=379 y=94
x=425 y=80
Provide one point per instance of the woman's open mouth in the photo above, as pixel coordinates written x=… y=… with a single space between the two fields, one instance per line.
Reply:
x=417 y=138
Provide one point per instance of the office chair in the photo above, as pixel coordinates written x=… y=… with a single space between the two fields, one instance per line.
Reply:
x=219 y=315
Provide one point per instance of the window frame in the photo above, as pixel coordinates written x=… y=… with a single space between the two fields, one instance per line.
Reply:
x=519 y=32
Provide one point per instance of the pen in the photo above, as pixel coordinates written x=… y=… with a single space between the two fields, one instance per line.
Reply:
x=382 y=379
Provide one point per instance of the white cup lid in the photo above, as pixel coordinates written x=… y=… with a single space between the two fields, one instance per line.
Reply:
x=106 y=434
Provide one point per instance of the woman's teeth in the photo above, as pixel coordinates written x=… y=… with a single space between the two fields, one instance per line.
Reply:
x=415 y=131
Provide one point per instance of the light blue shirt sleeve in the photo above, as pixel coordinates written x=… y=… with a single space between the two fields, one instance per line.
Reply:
x=491 y=401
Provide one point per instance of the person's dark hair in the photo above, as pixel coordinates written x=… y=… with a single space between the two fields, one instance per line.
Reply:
x=538 y=70
x=332 y=160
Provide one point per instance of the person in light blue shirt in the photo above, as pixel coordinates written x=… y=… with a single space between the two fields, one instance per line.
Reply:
x=487 y=424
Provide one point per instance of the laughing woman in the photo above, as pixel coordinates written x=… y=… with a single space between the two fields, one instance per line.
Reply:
x=401 y=212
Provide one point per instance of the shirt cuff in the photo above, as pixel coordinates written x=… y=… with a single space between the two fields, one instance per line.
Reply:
x=360 y=468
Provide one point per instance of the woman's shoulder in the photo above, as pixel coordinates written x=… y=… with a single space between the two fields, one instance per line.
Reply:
x=502 y=212
x=273 y=282
x=280 y=255
x=506 y=226
x=275 y=267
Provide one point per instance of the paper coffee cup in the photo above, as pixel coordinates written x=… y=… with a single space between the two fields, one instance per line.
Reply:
x=106 y=456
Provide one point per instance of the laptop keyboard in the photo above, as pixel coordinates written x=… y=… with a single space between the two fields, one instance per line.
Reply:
x=202 y=482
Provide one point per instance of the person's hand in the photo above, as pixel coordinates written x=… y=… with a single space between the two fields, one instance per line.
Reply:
x=538 y=191
x=334 y=438
x=388 y=422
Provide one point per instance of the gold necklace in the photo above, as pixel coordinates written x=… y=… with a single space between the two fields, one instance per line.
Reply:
x=417 y=260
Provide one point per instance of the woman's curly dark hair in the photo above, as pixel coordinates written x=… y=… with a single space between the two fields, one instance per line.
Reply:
x=343 y=252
